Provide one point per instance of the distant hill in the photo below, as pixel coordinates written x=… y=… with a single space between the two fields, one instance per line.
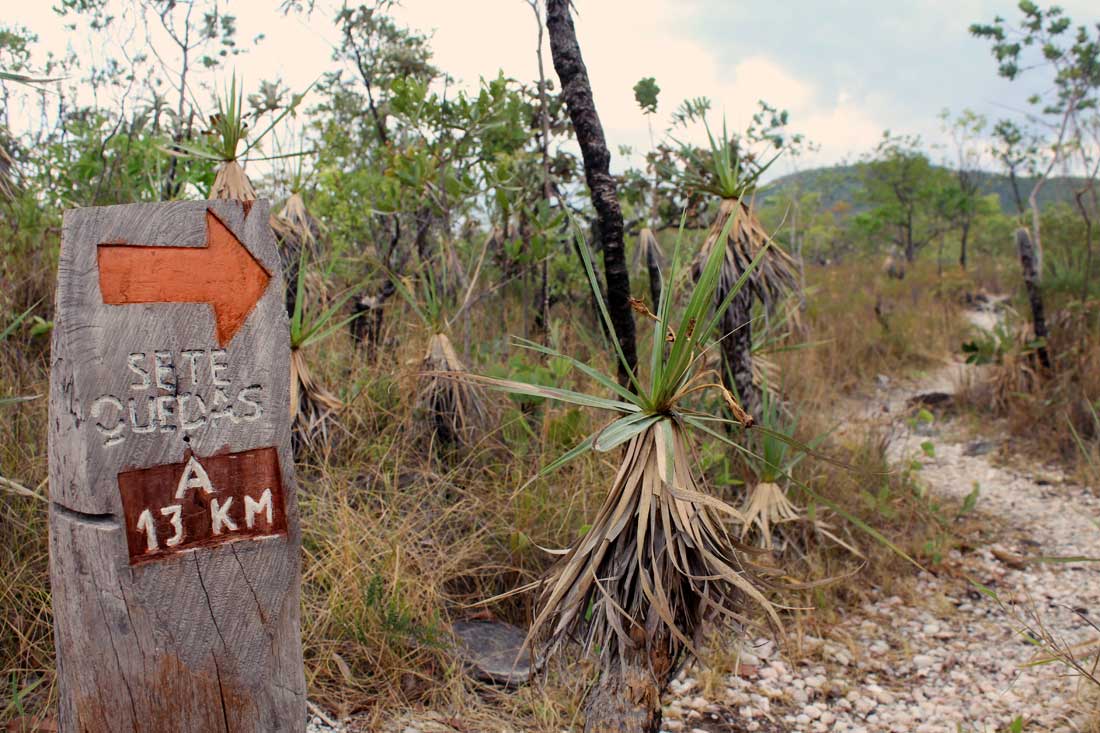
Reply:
x=844 y=183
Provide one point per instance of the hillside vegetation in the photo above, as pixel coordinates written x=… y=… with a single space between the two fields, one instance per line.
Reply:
x=843 y=185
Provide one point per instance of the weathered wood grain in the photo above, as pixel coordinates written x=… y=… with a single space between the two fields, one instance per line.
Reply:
x=206 y=638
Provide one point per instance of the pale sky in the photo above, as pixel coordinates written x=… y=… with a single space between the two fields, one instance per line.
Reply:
x=846 y=70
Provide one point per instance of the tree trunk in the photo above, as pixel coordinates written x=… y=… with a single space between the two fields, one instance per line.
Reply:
x=965 y=234
x=542 y=316
x=1016 y=191
x=737 y=351
x=627 y=699
x=1079 y=198
x=910 y=247
x=654 y=268
x=577 y=93
x=367 y=326
x=1034 y=294
x=1035 y=246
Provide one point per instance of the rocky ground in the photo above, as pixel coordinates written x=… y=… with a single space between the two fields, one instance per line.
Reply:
x=948 y=657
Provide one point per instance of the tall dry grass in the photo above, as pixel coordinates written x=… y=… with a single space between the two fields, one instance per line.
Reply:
x=26 y=644
x=399 y=541
x=862 y=324
x=1051 y=414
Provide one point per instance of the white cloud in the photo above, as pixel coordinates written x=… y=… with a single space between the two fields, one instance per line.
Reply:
x=619 y=49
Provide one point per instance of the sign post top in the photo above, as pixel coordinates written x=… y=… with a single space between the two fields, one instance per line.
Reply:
x=173 y=499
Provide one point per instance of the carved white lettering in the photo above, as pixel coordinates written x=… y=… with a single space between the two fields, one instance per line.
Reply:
x=165 y=370
x=192 y=357
x=186 y=390
x=134 y=362
x=252 y=508
x=219 y=516
x=166 y=405
x=135 y=425
x=221 y=407
x=145 y=524
x=244 y=397
x=194 y=477
x=174 y=512
x=189 y=423
x=217 y=367
x=111 y=434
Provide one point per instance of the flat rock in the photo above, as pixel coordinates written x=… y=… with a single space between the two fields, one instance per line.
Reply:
x=978 y=448
x=492 y=650
x=931 y=399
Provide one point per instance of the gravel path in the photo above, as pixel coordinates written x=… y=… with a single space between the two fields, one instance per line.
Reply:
x=946 y=658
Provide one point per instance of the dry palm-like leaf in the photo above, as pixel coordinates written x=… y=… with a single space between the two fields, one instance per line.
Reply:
x=296 y=232
x=231 y=182
x=658 y=559
x=7 y=168
x=766 y=505
x=312 y=407
x=298 y=218
x=453 y=407
x=764 y=369
x=648 y=251
x=776 y=273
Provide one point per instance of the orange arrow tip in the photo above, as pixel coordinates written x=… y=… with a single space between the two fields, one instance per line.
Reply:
x=234 y=303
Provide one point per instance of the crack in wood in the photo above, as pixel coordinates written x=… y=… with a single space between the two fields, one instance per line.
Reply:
x=209 y=607
x=244 y=574
x=221 y=691
x=106 y=521
x=118 y=659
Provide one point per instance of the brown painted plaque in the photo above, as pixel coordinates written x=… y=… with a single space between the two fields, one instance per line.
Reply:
x=202 y=502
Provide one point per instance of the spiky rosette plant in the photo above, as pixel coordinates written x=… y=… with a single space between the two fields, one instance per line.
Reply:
x=732 y=176
x=662 y=554
x=450 y=407
x=312 y=407
x=766 y=504
x=649 y=251
x=454 y=409
x=296 y=231
x=227 y=141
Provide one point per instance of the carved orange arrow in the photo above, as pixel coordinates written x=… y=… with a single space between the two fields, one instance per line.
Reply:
x=222 y=273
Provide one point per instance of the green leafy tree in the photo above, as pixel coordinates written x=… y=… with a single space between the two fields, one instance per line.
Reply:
x=1046 y=41
x=645 y=94
x=904 y=194
x=966 y=131
x=1015 y=150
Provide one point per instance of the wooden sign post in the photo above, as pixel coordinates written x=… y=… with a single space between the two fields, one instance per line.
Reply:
x=174 y=541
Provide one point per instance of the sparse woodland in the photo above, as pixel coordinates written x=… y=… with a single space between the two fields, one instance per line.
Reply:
x=733 y=450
